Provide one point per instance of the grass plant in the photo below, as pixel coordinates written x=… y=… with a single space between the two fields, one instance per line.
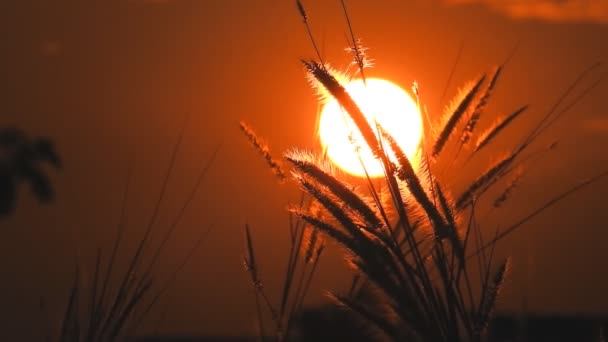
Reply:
x=426 y=272
x=113 y=307
x=306 y=247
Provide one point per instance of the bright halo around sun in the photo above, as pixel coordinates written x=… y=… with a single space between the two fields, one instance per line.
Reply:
x=392 y=107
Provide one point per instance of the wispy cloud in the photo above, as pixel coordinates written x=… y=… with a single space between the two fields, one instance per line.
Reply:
x=595 y=11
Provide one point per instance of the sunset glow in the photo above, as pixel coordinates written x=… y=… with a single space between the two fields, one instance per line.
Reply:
x=381 y=100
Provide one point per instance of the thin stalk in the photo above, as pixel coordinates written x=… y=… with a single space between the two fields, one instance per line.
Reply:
x=311 y=37
x=171 y=278
x=452 y=71
x=357 y=53
x=180 y=214
x=116 y=244
x=540 y=209
x=140 y=248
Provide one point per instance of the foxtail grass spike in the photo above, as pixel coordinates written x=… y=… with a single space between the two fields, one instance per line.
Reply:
x=331 y=84
x=349 y=197
x=262 y=148
x=469 y=194
x=480 y=107
x=311 y=245
x=302 y=11
x=508 y=191
x=463 y=107
x=304 y=15
x=493 y=290
x=406 y=173
x=356 y=49
x=486 y=137
x=249 y=260
x=331 y=231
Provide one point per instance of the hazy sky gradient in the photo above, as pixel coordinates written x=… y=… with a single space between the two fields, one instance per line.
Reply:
x=548 y=10
x=114 y=80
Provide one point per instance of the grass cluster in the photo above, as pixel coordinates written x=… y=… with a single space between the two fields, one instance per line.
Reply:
x=113 y=304
x=424 y=270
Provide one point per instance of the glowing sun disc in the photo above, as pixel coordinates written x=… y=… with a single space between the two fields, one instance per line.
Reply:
x=392 y=107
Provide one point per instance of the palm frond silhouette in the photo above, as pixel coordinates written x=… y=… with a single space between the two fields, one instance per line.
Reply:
x=21 y=161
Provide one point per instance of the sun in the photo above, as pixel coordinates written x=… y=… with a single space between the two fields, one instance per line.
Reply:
x=392 y=107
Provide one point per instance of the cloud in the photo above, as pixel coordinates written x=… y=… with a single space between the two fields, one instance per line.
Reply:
x=595 y=11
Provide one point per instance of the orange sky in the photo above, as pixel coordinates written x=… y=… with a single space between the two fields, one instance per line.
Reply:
x=109 y=79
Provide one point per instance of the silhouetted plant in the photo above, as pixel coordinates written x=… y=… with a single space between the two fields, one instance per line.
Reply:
x=21 y=161
x=306 y=247
x=115 y=305
x=422 y=262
